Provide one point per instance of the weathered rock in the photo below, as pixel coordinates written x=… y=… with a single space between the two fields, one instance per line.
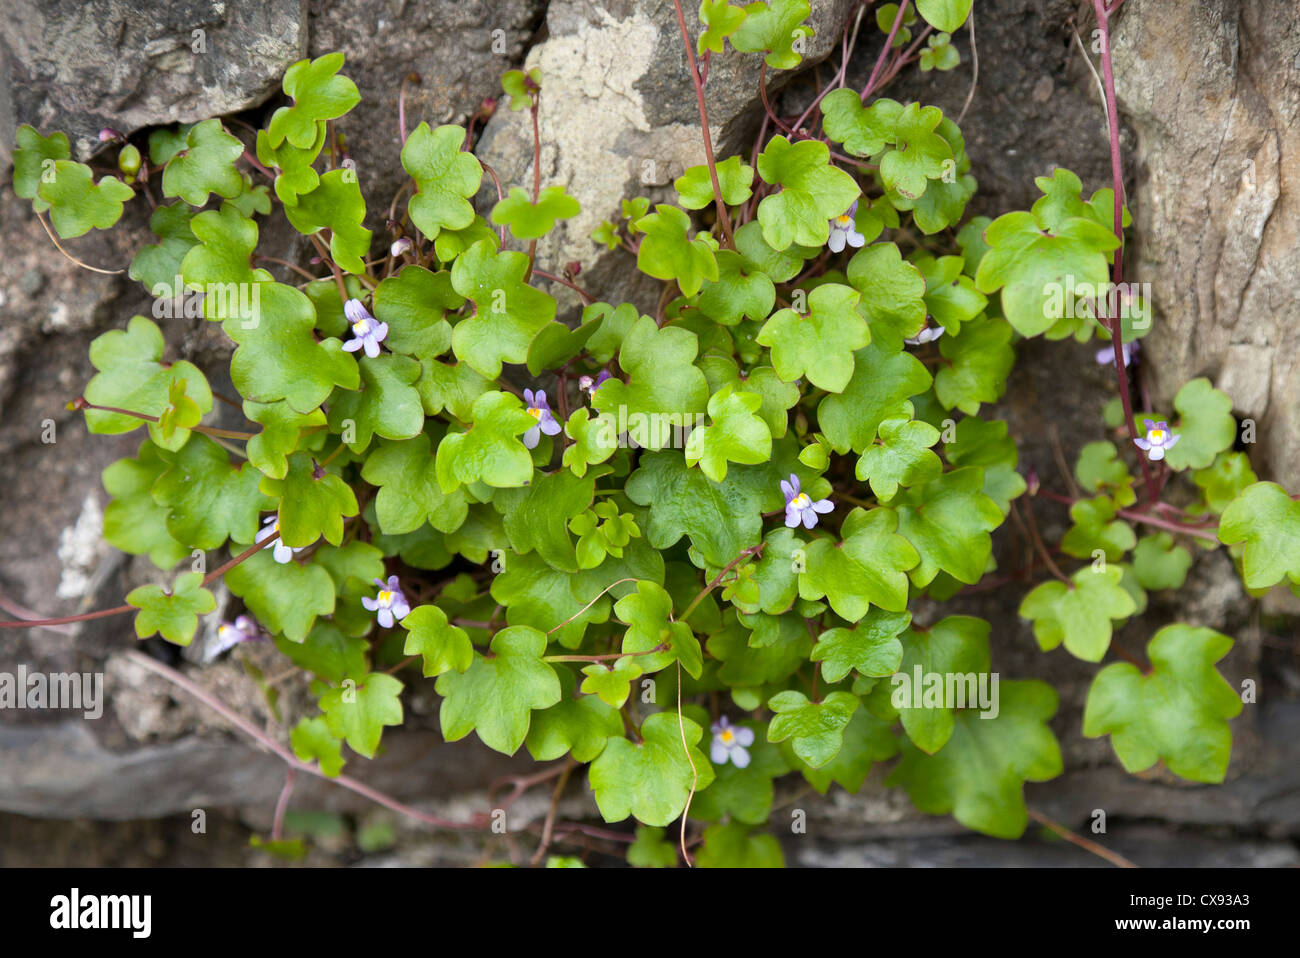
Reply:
x=80 y=67
x=619 y=118
x=1213 y=91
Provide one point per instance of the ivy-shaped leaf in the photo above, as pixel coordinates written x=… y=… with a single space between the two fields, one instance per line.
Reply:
x=358 y=714
x=667 y=251
x=313 y=502
x=1267 y=520
x=318 y=93
x=205 y=165
x=508 y=312
x=821 y=344
x=1080 y=612
x=735 y=434
x=335 y=205
x=869 y=648
x=172 y=614
x=490 y=450
x=869 y=567
x=443 y=646
x=76 y=203
x=777 y=28
x=528 y=220
x=812 y=193
x=445 y=175
x=650 y=780
x=735 y=178
x=815 y=728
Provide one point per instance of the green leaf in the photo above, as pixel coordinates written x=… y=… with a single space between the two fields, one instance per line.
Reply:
x=133 y=376
x=939 y=55
x=445 y=175
x=1034 y=267
x=869 y=567
x=207 y=498
x=327 y=653
x=721 y=518
x=311 y=739
x=1267 y=520
x=734 y=434
x=1206 y=428
x=720 y=21
x=386 y=405
x=414 y=304
x=319 y=93
x=296 y=174
x=205 y=165
x=313 y=503
x=282 y=359
x=815 y=728
x=871 y=647
x=948 y=520
x=508 y=312
x=612 y=684
x=985 y=443
x=1177 y=712
x=1101 y=470
x=528 y=220
x=452 y=387
x=133 y=521
x=883 y=377
x=867 y=740
x=776 y=28
x=650 y=780
x=979 y=359
x=172 y=614
x=664 y=390
x=651 y=849
x=944 y=15
x=1224 y=481
x=537 y=516
x=1159 y=564
x=956 y=646
x=580 y=724
x=335 y=205
x=490 y=450
x=735 y=178
x=892 y=290
x=409 y=494
x=76 y=203
x=1079 y=613
x=158 y=265
x=358 y=715
x=497 y=694
x=34 y=157
x=919 y=154
x=445 y=647
x=283 y=428
x=667 y=251
x=648 y=615
x=863 y=130
x=758 y=257
x=978 y=776
x=813 y=192
x=903 y=457
x=821 y=344
x=1096 y=528
x=284 y=597
x=734 y=845
x=739 y=292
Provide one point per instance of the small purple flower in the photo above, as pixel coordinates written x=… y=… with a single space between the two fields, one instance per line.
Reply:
x=400 y=246
x=539 y=410
x=927 y=335
x=1106 y=354
x=589 y=385
x=389 y=604
x=281 y=552
x=1158 y=441
x=844 y=230
x=369 y=332
x=799 y=507
x=230 y=634
x=731 y=743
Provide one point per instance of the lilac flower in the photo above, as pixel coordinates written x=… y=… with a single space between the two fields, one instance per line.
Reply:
x=799 y=507
x=731 y=743
x=1158 y=439
x=281 y=552
x=539 y=410
x=1107 y=353
x=927 y=335
x=369 y=332
x=400 y=246
x=389 y=604
x=589 y=385
x=844 y=230
x=230 y=634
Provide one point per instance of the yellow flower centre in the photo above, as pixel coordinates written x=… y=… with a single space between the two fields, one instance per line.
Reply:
x=225 y=630
x=844 y=222
x=535 y=413
x=361 y=327
x=1157 y=436
x=727 y=736
x=801 y=501
x=385 y=596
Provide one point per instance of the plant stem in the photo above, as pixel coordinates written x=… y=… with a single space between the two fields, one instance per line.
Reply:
x=81 y=403
x=744 y=554
x=724 y=219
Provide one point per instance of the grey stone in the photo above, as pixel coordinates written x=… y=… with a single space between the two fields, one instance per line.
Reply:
x=79 y=67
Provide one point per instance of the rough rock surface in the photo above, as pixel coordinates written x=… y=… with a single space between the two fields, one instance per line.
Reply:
x=79 y=67
x=619 y=118
x=1213 y=91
